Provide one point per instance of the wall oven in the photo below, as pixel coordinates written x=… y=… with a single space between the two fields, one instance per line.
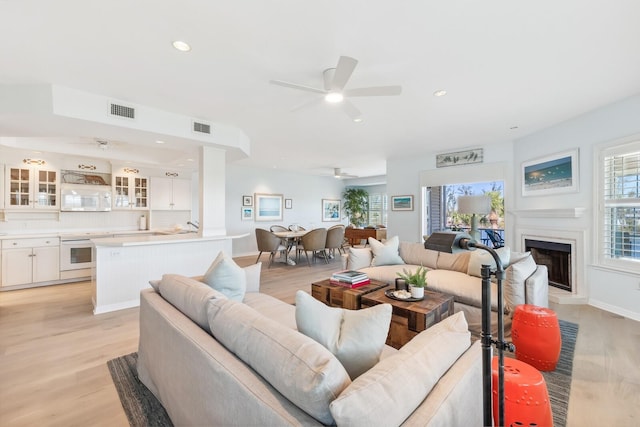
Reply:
x=77 y=255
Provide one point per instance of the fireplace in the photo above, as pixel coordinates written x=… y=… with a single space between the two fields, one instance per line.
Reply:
x=557 y=257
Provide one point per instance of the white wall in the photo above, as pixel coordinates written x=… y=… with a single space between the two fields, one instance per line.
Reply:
x=306 y=193
x=404 y=177
x=613 y=291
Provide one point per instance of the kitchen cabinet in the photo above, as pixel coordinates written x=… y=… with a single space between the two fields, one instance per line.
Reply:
x=32 y=260
x=130 y=192
x=31 y=188
x=170 y=194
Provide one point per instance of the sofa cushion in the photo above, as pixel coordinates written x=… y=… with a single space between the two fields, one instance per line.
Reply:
x=272 y=308
x=302 y=370
x=416 y=254
x=464 y=288
x=479 y=257
x=359 y=258
x=454 y=262
x=189 y=296
x=515 y=276
x=385 y=253
x=389 y=392
x=355 y=337
x=227 y=277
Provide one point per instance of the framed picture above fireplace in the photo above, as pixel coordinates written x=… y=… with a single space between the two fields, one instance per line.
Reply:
x=554 y=174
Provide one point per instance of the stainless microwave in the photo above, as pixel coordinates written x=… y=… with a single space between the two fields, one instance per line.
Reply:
x=81 y=198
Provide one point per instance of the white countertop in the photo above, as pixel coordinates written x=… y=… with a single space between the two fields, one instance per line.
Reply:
x=159 y=239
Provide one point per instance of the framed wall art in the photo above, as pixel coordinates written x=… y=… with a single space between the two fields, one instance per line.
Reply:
x=402 y=203
x=247 y=213
x=554 y=174
x=247 y=201
x=458 y=158
x=288 y=203
x=268 y=207
x=330 y=210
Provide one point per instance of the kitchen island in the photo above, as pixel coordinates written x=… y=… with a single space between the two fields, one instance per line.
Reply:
x=124 y=265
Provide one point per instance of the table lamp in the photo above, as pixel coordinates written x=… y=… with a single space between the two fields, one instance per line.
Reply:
x=474 y=205
x=452 y=242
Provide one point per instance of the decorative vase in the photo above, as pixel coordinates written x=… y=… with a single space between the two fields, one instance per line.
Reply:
x=417 y=292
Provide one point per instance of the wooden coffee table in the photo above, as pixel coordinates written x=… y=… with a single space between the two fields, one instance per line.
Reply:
x=410 y=318
x=341 y=296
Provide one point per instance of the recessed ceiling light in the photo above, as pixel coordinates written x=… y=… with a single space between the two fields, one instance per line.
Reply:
x=440 y=93
x=358 y=120
x=334 y=97
x=181 y=46
x=159 y=142
x=189 y=160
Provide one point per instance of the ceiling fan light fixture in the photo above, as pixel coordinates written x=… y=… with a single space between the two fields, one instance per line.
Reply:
x=334 y=97
x=181 y=46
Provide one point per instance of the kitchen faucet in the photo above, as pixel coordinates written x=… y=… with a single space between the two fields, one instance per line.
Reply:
x=196 y=225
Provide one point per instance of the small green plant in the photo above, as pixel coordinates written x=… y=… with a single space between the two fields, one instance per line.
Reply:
x=417 y=278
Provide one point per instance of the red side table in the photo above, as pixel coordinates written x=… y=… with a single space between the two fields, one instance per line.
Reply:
x=526 y=399
x=536 y=334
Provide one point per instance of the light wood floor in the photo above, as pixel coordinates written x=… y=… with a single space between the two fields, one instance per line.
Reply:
x=53 y=354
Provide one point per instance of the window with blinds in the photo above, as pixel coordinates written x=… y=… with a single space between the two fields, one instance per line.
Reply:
x=377 y=209
x=620 y=213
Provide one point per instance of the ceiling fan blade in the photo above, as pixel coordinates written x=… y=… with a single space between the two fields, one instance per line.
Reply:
x=351 y=110
x=343 y=72
x=297 y=86
x=374 y=91
x=306 y=104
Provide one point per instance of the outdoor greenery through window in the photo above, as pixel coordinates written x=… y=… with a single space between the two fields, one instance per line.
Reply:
x=620 y=217
x=441 y=209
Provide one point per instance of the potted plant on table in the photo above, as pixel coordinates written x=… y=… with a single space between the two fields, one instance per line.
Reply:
x=416 y=281
x=356 y=205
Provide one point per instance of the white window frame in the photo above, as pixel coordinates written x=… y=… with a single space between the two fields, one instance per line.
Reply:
x=618 y=147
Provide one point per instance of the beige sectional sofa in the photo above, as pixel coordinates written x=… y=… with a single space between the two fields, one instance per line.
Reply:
x=214 y=361
x=457 y=275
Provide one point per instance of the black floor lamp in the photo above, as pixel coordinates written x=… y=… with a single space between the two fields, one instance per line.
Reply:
x=455 y=242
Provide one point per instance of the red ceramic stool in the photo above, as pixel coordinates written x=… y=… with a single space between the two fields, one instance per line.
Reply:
x=536 y=334
x=526 y=399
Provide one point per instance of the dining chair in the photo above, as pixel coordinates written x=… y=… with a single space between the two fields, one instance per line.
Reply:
x=335 y=239
x=268 y=242
x=314 y=241
x=278 y=228
x=296 y=227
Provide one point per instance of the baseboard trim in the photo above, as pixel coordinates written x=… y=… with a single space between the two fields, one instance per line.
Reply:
x=615 y=310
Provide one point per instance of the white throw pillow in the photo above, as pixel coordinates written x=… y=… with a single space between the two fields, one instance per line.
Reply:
x=359 y=258
x=189 y=296
x=226 y=276
x=355 y=337
x=302 y=370
x=390 y=391
x=515 y=276
x=385 y=253
x=480 y=257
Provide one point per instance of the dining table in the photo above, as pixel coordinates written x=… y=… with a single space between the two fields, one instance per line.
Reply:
x=290 y=238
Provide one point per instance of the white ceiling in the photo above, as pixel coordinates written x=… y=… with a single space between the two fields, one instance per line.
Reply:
x=504 y=63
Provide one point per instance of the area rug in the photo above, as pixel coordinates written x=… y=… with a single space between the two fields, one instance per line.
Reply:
x=143 y=409
x=140 y=405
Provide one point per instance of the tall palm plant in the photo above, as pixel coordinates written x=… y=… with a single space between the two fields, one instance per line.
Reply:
x=356 y=205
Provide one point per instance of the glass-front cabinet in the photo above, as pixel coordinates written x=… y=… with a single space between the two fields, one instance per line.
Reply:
x=31 y=188
x=130 y=192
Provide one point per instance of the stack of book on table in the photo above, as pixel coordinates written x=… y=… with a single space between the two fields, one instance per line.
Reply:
x=349 y=279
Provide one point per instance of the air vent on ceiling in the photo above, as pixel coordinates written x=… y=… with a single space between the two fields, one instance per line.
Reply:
x=122 y=111
x=201 y=128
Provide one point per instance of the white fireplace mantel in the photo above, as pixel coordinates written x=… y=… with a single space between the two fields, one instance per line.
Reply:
x=550 y=213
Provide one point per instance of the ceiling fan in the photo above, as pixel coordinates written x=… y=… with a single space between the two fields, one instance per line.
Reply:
x=335 y=80
x=337 y=173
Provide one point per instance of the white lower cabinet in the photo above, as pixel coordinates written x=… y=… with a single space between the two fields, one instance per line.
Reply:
x=26 y=261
